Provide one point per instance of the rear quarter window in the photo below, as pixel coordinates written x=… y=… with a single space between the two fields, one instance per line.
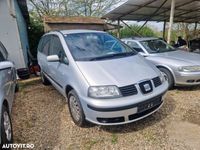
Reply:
x=44 y=44
x=40 y=45
x=3 y=52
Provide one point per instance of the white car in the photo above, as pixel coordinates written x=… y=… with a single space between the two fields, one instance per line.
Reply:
x=8 y=87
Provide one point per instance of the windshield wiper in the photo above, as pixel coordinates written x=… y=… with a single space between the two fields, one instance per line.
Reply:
x=112 y=56
x=82 y=49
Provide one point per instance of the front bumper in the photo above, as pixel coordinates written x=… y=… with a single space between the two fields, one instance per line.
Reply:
x=187 y=78
x=132 y=108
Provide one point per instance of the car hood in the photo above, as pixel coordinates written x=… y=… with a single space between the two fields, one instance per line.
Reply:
x=120 y=72
x=186 y=58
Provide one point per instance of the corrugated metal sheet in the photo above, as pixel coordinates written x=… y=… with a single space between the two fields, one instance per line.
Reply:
x=142 y=10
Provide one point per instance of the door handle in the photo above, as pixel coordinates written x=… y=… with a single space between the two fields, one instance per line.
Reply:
x=9 y=72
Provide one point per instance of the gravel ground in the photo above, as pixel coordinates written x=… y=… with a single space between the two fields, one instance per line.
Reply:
x=40 y=115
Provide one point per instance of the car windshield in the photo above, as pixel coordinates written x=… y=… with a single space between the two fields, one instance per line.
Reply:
x=157 y=46
x=96 y=46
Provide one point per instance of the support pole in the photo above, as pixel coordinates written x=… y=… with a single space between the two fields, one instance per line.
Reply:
x=118 y=28
x=164 y=28
x=195 y=29
x=171 y=20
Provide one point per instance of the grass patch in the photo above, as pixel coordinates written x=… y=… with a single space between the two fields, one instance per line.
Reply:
x=23 y=84
x=114 y=139
x=150 y=136
x=90 y=144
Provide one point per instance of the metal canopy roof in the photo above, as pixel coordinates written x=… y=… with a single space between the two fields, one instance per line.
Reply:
x=156 y=10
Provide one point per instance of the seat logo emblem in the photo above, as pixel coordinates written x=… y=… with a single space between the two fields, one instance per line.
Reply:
x=147 y=87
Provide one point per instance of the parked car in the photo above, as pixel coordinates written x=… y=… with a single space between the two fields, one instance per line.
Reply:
x=8 y=86
x=105 y=81
x=180 y=68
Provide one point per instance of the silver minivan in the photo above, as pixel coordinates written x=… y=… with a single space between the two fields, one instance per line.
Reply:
x=104 y=81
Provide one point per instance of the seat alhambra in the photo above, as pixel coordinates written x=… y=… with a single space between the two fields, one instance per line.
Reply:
x=104 y=81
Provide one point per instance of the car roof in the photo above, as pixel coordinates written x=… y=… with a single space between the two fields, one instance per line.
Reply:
x=76 y=31
x=140 y=38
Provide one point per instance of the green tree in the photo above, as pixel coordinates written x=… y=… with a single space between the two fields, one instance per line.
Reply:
x=132 y=31
x=71 y=7
x=35 y=31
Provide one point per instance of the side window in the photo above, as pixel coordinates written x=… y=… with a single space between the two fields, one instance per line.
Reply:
x=44 y=44
x=57 y=49
x=135 y=46
x=1 y=56
x=3 y=53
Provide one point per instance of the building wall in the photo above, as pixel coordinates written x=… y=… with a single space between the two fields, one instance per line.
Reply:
x=22 y=28
x=9 y=34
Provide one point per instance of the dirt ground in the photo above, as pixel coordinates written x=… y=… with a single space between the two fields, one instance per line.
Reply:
x=40 y=116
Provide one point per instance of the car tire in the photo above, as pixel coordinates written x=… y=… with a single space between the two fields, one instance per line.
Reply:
x=75 y=109
x=44 y=79
x=6 y=127
x=168 y=77
x=16 y=88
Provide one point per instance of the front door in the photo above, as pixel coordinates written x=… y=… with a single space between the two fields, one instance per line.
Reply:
x=58 y=70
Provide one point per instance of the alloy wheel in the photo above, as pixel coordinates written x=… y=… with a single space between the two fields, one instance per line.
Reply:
x=75 y=108
x=7 y=126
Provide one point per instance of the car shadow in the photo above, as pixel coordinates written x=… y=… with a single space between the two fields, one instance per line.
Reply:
x=167 y=108
x=188 y=88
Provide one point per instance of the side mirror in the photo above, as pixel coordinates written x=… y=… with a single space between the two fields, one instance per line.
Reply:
x=66 y=61
x=53 y=58
x=143 y=54
x=6 y=64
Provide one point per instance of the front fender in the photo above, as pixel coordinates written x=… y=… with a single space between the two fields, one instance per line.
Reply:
x=167 y=67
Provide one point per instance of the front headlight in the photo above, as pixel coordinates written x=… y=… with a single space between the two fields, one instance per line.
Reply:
x=104 y=92
x=189 y=69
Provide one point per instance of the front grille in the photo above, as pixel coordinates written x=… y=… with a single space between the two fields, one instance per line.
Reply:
x=146 y=87
x=128 y=90
x=156 y=81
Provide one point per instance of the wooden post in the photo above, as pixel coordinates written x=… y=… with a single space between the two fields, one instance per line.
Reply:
x=171 y=21
x=118 y=28
x=164 y=28
x=195 y=29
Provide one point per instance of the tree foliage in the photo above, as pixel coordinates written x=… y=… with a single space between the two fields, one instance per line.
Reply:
x=71 y=7
x=35 y=31
x=132 y=31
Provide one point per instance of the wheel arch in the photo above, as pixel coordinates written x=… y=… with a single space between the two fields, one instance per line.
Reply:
x=68 y=88
x=169 y=69
x=5 y=103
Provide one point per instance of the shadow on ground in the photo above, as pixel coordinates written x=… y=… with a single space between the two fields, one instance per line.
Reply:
x=167 y=108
